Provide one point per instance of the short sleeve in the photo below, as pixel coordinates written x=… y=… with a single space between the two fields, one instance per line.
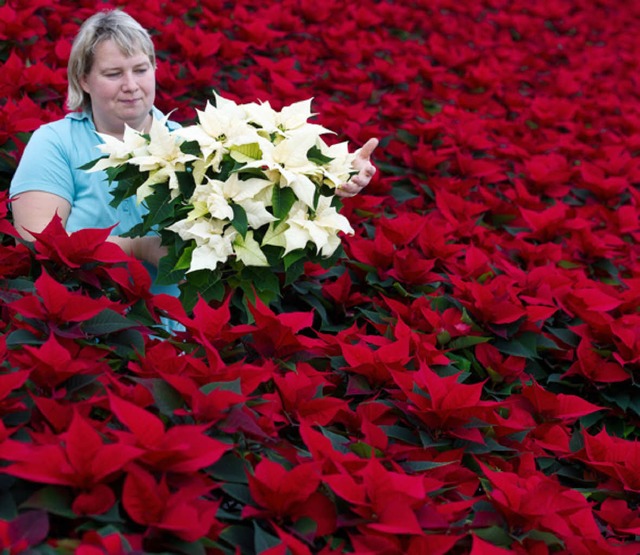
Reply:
x=44 y=166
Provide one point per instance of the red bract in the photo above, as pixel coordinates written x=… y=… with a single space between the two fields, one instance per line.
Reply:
x=94 y=543
x=613 y=456
x=178 y=449
x=386 y=501
x=342 y=291
x=208 y=407
x=183 y=512
x=377 y=362
x=626 y=332
x=493 y=302
x=58 y=307
x=619 y=516
x=10 y=383
x=291 y=494
x=549 y=406
x=305 y=393
x=592 y=366
x=500 y=368
x=443 y=404
x=79 y=459
x=86 y=246
x=536 y=502
x=277 y=335
x=57 y=360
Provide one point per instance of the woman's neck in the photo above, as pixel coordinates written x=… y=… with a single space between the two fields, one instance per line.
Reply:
x=143 y=127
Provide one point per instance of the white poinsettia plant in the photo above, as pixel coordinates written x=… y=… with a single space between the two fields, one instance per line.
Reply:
x=245 y=187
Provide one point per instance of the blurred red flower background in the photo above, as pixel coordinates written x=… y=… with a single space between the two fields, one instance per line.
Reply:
x=462 y=381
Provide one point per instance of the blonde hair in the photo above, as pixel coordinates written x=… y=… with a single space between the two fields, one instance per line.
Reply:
x=114 y=25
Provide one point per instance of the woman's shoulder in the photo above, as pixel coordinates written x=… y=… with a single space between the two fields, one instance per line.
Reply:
x=66 y=126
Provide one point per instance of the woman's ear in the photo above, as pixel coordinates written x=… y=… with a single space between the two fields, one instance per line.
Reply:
x=83 y=83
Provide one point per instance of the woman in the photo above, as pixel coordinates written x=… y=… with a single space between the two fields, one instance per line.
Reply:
x=111 y=75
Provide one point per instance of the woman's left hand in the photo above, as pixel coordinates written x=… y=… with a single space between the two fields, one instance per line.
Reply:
x=366 y=171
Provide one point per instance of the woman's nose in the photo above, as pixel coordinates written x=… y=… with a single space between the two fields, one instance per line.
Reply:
x=129 y=82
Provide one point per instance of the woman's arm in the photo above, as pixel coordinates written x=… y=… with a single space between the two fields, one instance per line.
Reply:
x=33 y=210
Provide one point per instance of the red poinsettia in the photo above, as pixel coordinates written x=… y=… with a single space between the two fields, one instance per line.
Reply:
x=181 y=448
x=58 y=307
x=184 y=511
x=79 y=458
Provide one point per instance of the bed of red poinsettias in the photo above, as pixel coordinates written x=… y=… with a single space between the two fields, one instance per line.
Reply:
x=464 y=381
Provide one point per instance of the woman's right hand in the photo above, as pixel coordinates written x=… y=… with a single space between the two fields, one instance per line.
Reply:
x=147 y=249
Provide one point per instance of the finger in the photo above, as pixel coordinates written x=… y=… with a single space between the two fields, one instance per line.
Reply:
x=368 y=171
x=367 y=149
x=359 y=181
x=344 y=194
x=348 y=189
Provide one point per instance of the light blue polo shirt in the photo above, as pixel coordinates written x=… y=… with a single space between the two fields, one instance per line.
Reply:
x=51 y=162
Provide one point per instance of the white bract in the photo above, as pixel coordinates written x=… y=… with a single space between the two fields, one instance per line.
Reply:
x=320 y=228
x=120 y=151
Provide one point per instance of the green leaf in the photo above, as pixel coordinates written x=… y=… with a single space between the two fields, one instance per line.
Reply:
x=161 y=209
x=186 y=184
x=128 y=179
x=53 y=499
x=339 y=443
x=292 y=257
x=364 y=450
x=127 y=343
x=191 y=147
x=262 y=540
x=240 y=221
x=264 y=280
x=230 y=469
x=404 y=192
x=525 y=345
x=306 y=527
x=167 y=398
x=234 y=386
x=19 y=338
x=566 y=336
x=422 y=466
x=90 y=165
x=184 y=261
x=401 y=433
x=495 y=535
x=240 y=537
x=294 y=271
x=314 y=154
x=282 y=199
x=547 y=537
x=467 y=341
x=201 y=283
x=107 y=321
x=8 y=509
x=240 y=492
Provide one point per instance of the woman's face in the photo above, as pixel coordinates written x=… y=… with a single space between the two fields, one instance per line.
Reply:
x=122 y=89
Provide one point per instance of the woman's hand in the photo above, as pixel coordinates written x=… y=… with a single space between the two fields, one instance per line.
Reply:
x=147 y=249
x=366 y=171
